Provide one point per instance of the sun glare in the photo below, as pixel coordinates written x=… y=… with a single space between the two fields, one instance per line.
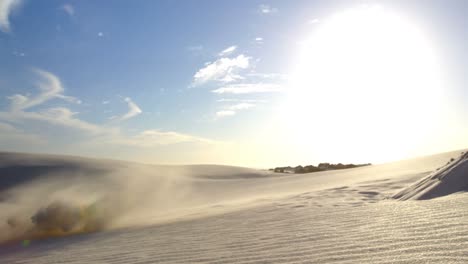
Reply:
x=367 y=82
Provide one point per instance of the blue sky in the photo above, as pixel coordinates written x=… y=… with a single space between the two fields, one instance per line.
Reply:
x=192 y=81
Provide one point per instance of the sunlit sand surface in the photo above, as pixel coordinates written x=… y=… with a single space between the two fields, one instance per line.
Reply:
x=221 y=214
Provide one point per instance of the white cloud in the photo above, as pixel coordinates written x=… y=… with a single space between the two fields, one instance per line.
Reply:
x=133 y=109
x=154 y=137
x=65 y=117
x=19 y=54
x=266 y=9
x=49 y=86
x=6 y=7
x=313 y=21
x=227 y=51
x=241 y=100
x=7 y=128
x=10 y=134
x=269 y=76
x=233 y=109
x=225 y=113
x=246 y=88
x=100 y=34
x=259 y=40
x=69 y=9
x=105 y=102
x=227 y=100
x=57 y=116
x=233 y=100
x=241 y=106
x=223 y=69
x=195 y=48
x=96 y=134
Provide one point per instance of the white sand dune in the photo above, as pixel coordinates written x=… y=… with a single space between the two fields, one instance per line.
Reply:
x=222 y=214
x=451 y=178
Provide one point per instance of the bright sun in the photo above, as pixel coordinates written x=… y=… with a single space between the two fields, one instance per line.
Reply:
x=367 y=86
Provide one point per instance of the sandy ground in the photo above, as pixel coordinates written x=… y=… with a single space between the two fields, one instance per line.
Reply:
x=221 y=214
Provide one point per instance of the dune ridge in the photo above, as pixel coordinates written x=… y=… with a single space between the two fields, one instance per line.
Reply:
x=451 y=178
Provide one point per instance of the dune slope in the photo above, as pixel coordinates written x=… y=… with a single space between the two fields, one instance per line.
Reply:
x=451 y=178
x=221 y=214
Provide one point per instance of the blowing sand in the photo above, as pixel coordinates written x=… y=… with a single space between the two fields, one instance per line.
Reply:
x=222 y=214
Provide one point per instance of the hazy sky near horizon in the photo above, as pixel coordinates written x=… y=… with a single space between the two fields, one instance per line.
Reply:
x=252 y=83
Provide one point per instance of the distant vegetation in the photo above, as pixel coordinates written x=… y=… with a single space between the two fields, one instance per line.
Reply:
x=320 y=167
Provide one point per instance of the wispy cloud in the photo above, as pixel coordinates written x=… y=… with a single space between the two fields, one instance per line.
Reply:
x=133 y=110
x=65 y=117
x=69 y=9
x=6 y=7
x=222 y=100
x=266 y=9
x=225 y=113
x=61 y=116
x=49 y=87
x=241 y=100
x=313 y=21
x=195 y=48
x=231 y=110
x=154 y=137
x=20 y=113
x=227 y=51
x=241 y=106
x=247 y=88
x=277 y=77
x=19 y=54
x=223 y=70
x=232 y=78
x=10 y=134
